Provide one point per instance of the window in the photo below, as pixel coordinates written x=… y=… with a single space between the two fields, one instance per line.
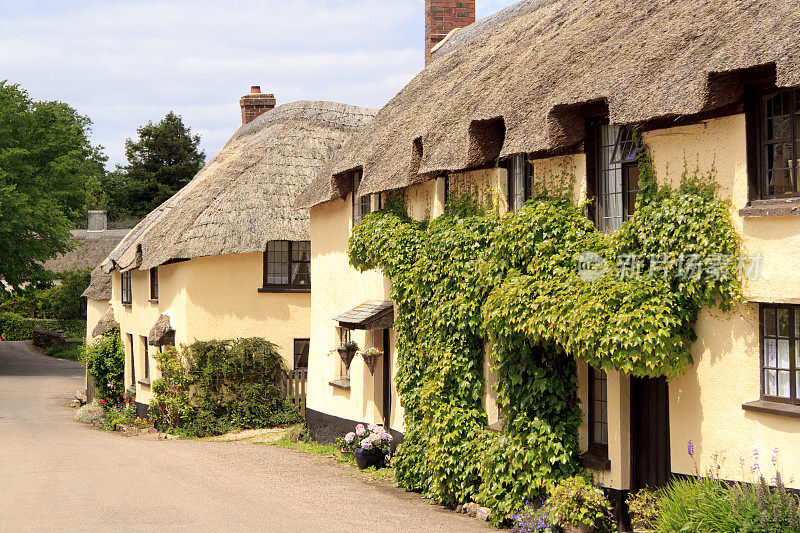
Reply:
x=287 y=266
x=344 y=371
x=780 y=351
x=363 y=205
x=154 y=284
x=301 y=353
x=776 y=131
x=520 y=181
x=598 y=411
x=616 y=174
x=127 y=295
x=146 y=354
x=132 y=360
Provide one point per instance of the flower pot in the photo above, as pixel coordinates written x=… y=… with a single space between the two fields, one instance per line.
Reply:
x=347 y=355
x=365 y=459
x=371 y=361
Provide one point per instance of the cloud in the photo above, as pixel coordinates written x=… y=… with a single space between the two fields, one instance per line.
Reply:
x=126 y=63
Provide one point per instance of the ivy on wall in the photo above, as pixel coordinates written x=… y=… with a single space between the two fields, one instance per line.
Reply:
x=472 y=279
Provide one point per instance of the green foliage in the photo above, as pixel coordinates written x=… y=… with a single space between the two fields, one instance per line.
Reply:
x=14 y=327
x=471 y=279
x=64 y=301
x=643 y=507
x=163 y=159
x=575 y=501
x=695 y=505
x=90 y=413
x=104 y=359
x=69 y=350
x=121 y=412
x=45 y=160
x=218 y=386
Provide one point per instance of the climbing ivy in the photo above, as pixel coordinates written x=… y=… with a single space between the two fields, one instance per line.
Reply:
x=472 y=282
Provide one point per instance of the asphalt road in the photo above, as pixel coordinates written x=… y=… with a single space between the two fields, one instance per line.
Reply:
x=59 y=475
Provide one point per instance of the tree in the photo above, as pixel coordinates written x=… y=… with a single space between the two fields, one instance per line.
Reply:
x=161 y=161
x=45 y=160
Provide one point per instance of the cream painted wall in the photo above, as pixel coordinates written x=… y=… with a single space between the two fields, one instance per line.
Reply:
x=95 y=309
x=209 y=298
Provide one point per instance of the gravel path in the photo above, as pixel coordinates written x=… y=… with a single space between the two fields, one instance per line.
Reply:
x=59 y=475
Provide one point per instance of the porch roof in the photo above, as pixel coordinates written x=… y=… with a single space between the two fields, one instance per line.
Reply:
x=369 y=315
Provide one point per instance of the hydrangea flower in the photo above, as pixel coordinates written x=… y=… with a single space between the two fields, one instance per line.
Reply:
x=373 y=428
x=361 y=430
x=350 y=437
x=366 y=444
x=386 y=437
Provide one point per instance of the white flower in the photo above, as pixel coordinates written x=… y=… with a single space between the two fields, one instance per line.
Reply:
x=360 y=430
x=350 y=437
x=373 y=428
x=366 y=444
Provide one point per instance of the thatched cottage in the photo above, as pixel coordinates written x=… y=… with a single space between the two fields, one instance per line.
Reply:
x=228 y=255
x=544 y=85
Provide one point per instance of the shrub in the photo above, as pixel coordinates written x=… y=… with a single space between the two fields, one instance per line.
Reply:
x=69 y=350
x=214 y=387
x=575 y=501
x=643 y=507
x=104 y=358
x=64 y=301
x=90 y=413
x=121 y=412
x=15 y=327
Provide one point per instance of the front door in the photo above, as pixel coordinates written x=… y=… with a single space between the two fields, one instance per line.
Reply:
x=650 y=456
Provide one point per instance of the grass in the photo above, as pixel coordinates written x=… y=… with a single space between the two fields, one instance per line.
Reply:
x=70 y=351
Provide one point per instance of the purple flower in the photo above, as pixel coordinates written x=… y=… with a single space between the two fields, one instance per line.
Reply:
x=690 y=448
x=366 y=444
x=361 y=430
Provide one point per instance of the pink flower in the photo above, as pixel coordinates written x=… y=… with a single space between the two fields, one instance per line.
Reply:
x=361 y=430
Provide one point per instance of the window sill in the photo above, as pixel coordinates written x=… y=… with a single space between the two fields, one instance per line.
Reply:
x=595 y=460
x=145 y=381
x=341 y=384
x=773 y=408
x=131 y=390
x=153 y=300
x=497 y=427
x=287 y=289
x=771 y=208
x=128 y=305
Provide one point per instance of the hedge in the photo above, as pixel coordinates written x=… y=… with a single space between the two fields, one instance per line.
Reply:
x=14 y=327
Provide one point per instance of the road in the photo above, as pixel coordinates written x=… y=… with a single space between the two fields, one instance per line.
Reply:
x=59 y=475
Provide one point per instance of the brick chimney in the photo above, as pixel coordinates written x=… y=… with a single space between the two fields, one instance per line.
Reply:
x=98 y=221
x=444 y=16
x=255 y=103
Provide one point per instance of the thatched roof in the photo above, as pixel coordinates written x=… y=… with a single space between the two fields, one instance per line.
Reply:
x=160 y=329
x=534 y=66
x=244 y=197
x=100 y=286
x=92 y=247
x=106 y=323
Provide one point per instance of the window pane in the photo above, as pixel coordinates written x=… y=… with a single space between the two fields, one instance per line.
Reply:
x=301 y=251
x=301 y=274
x=517 y=192
x=783 y=384
x=770 y=353
x=769 y=322
x=301 y=353
x=278 y=262
x=783 y=353
x=770 y=382
x=783 y=322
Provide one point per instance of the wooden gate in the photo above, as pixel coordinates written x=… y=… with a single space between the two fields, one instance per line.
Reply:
x=293 y=385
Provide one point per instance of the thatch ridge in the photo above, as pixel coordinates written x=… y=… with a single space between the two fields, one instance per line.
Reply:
x=539 y=63
x=100 y=286
x=91 y=249
x=106 y=323
x=245 y=195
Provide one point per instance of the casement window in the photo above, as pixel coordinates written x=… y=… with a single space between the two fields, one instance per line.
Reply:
x=780 y=353
x=146 y=355
x=343 y=372
x=132 y=360
x=520 y=181
x=362 y=206
x=301 y=353
x=287 y=266
x=613 y=173
x=774 y=142
x=154 y=284
x=598 y=412
x=126 y=293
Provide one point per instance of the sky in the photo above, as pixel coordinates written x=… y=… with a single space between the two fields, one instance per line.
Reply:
x=126 y=63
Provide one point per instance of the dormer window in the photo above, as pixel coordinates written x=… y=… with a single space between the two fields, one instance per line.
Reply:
x=614 y=173
x=362 y=206
x=126 y=292
x=774 y=119
x=520 y=181
x=287 y=267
